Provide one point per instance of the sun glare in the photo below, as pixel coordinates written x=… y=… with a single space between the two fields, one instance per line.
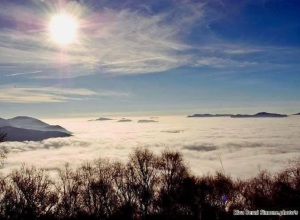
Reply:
x=63 y=29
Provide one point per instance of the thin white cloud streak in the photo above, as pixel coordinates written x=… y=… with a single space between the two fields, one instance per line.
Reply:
x=245 y=146
x=25 y=94
x=222 y=63
x=231 y=56
x=24 y=73
x=243 y=51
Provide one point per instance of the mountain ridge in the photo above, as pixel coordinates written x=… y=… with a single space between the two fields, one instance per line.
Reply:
x=260 y=115
x=257 y=115
x=24 y=128
x=208 y=115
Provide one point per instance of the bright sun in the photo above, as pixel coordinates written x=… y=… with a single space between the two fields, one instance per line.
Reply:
x=63 y=29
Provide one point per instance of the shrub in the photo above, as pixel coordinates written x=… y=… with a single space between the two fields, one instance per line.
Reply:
x=29 y=194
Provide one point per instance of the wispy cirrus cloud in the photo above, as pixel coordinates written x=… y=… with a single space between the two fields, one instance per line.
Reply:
x=217 y=62
x=23 y=73
x=26 y=94
x=111 y=41
x=124 y=41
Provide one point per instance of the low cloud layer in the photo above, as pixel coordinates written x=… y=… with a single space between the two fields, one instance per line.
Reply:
x=245 y=147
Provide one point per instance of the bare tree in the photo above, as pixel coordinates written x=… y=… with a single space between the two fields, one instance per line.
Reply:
x=173 y=169
x=124 y=184
x=172 y=174
x=69 y=192
x=258 y=191
x=2 y=136
x=286 y=187
x=3 y=151
x=142 y=167
x=97 y=194
x=29 y=194
x=3 y=189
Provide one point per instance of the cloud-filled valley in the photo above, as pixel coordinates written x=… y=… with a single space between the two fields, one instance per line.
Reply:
x=252 y=144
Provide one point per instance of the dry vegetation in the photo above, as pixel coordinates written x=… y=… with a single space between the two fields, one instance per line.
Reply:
x=149 y=186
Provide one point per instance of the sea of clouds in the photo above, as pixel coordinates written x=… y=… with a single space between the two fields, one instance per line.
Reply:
x=245 y=145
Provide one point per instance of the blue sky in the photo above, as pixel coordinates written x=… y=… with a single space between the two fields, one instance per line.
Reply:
x=151 y=57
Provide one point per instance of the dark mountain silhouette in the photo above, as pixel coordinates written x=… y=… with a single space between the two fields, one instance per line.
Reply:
x=208 y=115
x=297 y=114
x=21 y=134
x=146 y=121
x=33 y=123
x=24 y=121
x=125 y=120
x=55 y=128
x=23 y=128
x=4 y=123
x=260 y=115
x=103 y=119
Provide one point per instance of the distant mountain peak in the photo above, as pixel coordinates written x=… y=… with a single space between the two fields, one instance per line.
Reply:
x=263 y=113
x=102 y=119
x=25 y=121
x=260 y=115
x=23 y=117
x=208 y=115
x=146 y=121
x=125 y=120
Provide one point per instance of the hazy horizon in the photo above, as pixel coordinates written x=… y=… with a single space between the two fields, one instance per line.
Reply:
x=183 y=113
